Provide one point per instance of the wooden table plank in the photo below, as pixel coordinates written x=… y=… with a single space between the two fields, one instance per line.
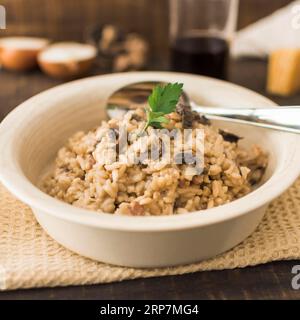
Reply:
x=271 y=281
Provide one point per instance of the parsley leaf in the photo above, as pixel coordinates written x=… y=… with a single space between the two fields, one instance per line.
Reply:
x=162 y=101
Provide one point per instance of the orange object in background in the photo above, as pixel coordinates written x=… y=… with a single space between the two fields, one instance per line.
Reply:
x=284 y=72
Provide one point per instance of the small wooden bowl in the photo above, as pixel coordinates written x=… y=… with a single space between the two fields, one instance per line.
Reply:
x=67 y=60
x=20 y=53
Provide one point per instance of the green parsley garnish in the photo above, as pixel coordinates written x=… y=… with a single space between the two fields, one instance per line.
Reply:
x=162 y=101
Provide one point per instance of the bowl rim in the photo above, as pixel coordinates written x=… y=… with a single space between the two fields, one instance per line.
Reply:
x=23 y=189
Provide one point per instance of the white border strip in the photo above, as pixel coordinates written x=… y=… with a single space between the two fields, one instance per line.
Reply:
x=2 y=278
x=2 y=17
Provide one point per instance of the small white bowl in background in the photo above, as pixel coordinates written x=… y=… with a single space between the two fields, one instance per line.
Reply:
x=20 y=53
x=67 y=60
x=31 y=135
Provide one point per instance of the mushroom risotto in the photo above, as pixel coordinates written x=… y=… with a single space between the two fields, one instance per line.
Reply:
x=82 y=178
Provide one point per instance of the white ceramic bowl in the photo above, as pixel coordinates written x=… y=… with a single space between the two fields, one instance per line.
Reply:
x=31 y=135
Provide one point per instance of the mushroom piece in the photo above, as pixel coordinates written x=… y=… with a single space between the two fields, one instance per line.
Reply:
x=119 y=51
x=188 y=116
x=134 y=54
x=228 y=136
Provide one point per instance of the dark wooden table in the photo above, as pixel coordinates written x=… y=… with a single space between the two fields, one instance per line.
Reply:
x=270 y=281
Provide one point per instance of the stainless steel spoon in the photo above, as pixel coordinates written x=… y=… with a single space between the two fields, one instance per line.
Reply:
x=285 y=118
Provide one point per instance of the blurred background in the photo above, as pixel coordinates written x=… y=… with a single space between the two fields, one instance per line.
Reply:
x=70 y=19
x=73 y=20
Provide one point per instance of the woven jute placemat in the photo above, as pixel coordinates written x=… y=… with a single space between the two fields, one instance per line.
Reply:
x=30 y=258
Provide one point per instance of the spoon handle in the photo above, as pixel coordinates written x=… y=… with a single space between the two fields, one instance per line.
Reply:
x=279 y=118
